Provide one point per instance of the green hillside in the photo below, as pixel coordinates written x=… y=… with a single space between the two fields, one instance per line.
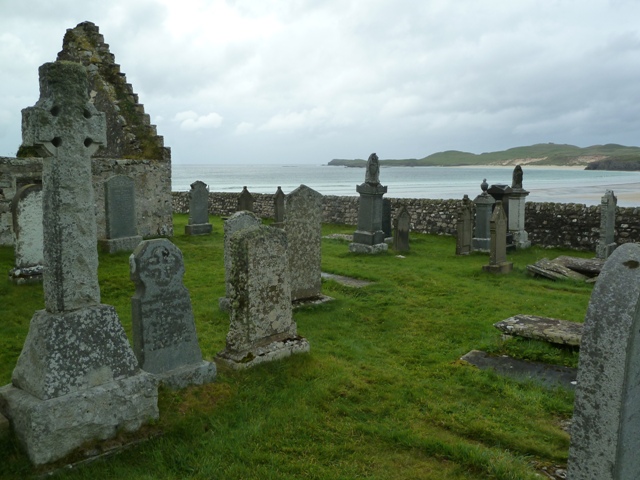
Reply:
x=539 y=154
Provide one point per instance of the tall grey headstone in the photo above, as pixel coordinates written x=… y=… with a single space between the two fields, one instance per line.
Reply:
x=605 y=432
x=303 y=226
x=261 y=327
x=245 y=201
x=26 y=210
x=484 y=207
x=463 y=228
x=369 y=237
x=164 y=331
x=517 y=210
x=120 y=215
x=386 y=217
x=606 y=242
x=237 y=221
x=77 y=378
x=402 y=227
x=198 y=210
x=498 y=255
x=278 y=208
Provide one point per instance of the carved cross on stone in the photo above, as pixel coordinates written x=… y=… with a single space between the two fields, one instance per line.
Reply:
x=66 y=129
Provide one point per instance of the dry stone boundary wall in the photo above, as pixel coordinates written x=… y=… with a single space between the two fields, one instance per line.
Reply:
x=569 y=225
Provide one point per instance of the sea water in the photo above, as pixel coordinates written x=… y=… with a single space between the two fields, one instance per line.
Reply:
x=553 y=184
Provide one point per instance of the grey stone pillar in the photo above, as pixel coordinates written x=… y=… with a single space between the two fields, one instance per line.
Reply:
x=484 y=207
x=606 y=242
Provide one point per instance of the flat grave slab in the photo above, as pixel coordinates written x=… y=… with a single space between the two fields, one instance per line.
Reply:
x=552 y=330
x=548 y=375
x=348 y=281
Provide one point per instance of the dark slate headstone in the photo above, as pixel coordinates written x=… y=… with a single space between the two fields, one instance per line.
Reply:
x=261 y=327
x=245 y=201
x=386 y=217
x=198 y=210
x=605 y=433
x=463 y=228
x=120 y=215
x=164 y=332
x=402 y=227
x=28 y=248
x=278 y=208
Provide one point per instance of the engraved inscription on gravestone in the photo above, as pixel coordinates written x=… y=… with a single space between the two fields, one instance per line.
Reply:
x=120 y=207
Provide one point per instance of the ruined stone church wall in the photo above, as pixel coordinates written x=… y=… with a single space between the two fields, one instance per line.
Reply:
x=153 y=191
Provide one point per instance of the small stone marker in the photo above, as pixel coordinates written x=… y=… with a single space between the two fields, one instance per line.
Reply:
x=26 y=210
x=278 y=208
x=606 y=242
x=77 y=379
x=261 y=327
x=498 y=255
x=463 y=228
x=234 y=223
x=402 y=227
x=605 y=434
x=164 y=332
x=484 y=206
x=369 y=237
x=303 y=226
x=198 y=210
x=120 y=215
x=517 y=210
x=245 y=201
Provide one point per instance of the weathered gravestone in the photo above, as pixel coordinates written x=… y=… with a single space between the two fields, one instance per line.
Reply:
x=386 y=218
x=303 y=226
x=245 y=201
x=234 y=223
x=77 y=378
x=198 y=210
x=517 y=210
x=463 y=228
x=401 y=229
x=26 y=210
x=278 y=208
x=605 y=433
x=261 y=327
x=164 y=332
x=120 y=215
x=369 y=237
x=498 y=254
x=484 y=207
x=606 y=242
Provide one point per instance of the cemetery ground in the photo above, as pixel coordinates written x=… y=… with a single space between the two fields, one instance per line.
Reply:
x=382 y=394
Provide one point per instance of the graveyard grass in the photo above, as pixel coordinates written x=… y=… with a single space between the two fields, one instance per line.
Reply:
x=382 y=394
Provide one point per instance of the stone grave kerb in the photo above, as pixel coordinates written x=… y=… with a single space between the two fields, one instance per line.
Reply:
x=67 y=129
x=605 y=431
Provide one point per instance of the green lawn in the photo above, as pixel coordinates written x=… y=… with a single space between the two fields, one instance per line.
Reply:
x=382 y=394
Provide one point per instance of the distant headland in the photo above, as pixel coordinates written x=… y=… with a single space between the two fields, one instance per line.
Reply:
x=597 y=157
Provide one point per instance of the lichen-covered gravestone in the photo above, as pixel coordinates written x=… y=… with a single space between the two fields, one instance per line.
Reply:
x=303 y=226
x=606 y=241
x=26 y=210
x=120 y=215
x=498 y=255
x=605 y=432
x=198 y=210
x=234 y=223
x=164 y=331
x=463 y=228
x=261 y=327
x=77 y=379
x=402 y=227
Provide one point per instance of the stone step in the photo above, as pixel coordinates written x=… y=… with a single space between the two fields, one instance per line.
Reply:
x=552 y=330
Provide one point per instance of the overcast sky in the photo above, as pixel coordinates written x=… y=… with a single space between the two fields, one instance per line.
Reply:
x=305 y=81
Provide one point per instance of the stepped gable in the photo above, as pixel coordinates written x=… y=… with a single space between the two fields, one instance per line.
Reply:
x=129 y=130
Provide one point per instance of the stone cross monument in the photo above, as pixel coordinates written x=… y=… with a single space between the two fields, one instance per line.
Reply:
x=77 y=378
x=369 y=237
